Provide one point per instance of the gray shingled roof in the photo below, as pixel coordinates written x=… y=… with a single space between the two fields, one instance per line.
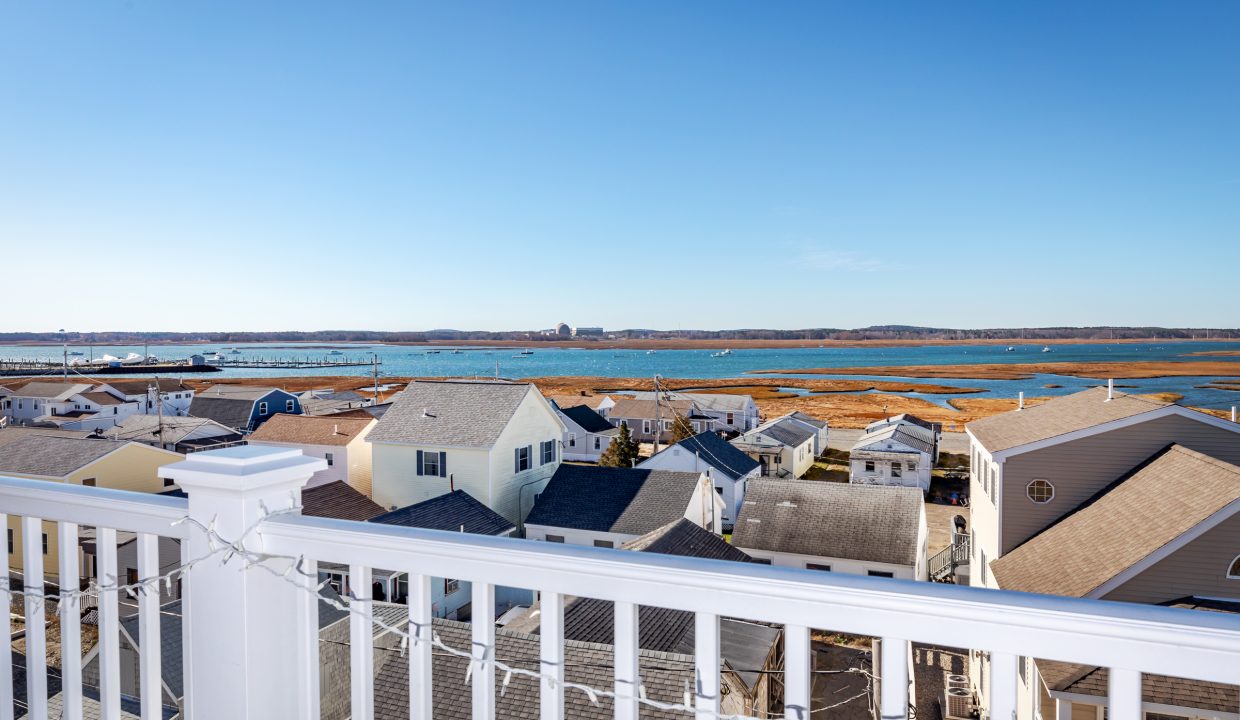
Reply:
x=452 y=512
x=683 y=537
x=718 y=453
x=52 y=456
x=338 y=500
x=229 y=412
x=806 y=517
x=913 y=436
x=589 y=420
x=169 y=644
x=145 y=428
x=663 y=676
x=784 y=431
x=716 y=402
x=450 y=413
x=620 y=500
x=798 y=415
x=237 y=392
x=51 y=390
x=1058 y=416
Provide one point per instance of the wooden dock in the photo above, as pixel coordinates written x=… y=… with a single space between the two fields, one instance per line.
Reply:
x=292 y=363
x=20 y=369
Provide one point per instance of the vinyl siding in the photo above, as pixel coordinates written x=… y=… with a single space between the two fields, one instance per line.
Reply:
x=396 y=483
x=533 y=422
x=1199 y=568
x=360 y=464
x=1081 y=468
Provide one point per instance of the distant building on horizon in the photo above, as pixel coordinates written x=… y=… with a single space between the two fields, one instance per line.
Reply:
x=587 y=332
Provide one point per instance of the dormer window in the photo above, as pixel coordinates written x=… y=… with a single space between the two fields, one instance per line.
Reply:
x=1233 y=573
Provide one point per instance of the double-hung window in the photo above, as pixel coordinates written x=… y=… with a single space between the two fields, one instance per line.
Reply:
x=288 y=406
x=646 y=426
x=262 y=408
x=431 y=463
x=522 y=458
x=895 y=470
x=598 y=443
x=547 y=447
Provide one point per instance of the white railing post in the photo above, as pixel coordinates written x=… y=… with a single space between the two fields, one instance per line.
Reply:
x=242 y=624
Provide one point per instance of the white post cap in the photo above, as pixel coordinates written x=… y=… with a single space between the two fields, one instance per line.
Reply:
x=244 y=468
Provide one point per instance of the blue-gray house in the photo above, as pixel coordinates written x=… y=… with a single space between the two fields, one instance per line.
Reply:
x=243 y=408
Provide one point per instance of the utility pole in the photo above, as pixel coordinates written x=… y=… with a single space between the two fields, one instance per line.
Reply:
x=376 y=360
x=658 y=421
x=159 y=409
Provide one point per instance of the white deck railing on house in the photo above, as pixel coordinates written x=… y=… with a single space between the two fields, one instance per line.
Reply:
x=251 y=633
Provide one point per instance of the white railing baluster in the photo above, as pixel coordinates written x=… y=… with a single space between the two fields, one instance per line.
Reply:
x=36 y=631
x=308 y=656
x=70 y=621
x=1002 y=686
x=551 y=650
x=420 y=658
x=109 y=624
x=893 y=664
x=6 y=658
x=483 y=614
x=1124 y=699
x=628 y=678
x=797 y=672
x=149 y=660
x=361 y=643
x=706 y=663
x=186 y=659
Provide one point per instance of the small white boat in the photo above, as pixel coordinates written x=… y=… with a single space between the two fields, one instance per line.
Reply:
x=133 y=359
x=234 y=351
x=650 y=352
x=457 y=352
x=723 y=353
x=335 y=352
x=1010 y=348
x=1046 y=348
x=76 y=352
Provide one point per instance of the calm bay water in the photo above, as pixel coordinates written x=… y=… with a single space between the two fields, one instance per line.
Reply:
x=417 y=361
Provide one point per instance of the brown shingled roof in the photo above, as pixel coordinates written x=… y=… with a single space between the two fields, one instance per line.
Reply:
x=1059 y=416
x=1163 y=498
x=311 y=430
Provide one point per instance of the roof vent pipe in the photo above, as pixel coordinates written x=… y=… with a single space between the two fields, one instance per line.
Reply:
x=1110 y=389
x=1233 y=413
x=335 y=429
x=1020 y=405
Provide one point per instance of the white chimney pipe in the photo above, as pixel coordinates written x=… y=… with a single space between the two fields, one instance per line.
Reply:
x=1233 y=413
x=1110 y=389
x=1021 y=405
x=335 y=429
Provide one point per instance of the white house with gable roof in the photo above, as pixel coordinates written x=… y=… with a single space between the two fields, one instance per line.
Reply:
x=498 y=441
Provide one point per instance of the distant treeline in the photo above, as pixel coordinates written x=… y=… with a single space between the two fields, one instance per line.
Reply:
x=880 y=332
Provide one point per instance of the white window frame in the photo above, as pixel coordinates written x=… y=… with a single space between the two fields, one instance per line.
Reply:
x=330 y=458
x=572 y=439
x=451 y=586
x=1029 y=491
x=896 y=470
x=288 y=406
x=262 y=408
x=645 y=427
x=527 y=462
x=1233 y=570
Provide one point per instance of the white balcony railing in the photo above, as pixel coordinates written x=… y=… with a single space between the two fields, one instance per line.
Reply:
x=251 y=638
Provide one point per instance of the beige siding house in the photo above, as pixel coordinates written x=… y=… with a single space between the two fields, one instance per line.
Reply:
x=95 y=462
x=498 y=441
x=339 y=441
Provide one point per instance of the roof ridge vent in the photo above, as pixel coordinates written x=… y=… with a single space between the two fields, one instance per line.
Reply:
x=786 y=503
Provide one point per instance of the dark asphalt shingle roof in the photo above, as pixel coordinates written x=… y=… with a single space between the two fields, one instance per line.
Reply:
x=53 y=456
x=339 y=501
x=686 y=539
x=620 y=500
x=663 y=675
x=452 y=512
x=451 y=413
x=170 y=646
x=229 y=412
x=589 y=420
x=718 y=453
x=826 y=519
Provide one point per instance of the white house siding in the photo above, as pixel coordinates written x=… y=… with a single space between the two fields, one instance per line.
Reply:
x=579 y=445
x=840 y=565
x=576 y=537
x=797 y=460
x=918 y=477
x=396 y=482
x=533 y=422
x=984 y=489
x=731 y=493
x=338 y=470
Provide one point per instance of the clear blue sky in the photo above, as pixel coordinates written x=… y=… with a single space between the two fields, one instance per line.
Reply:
x=406 y=166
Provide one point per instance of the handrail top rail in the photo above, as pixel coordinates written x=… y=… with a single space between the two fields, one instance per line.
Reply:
x=85 y=505
x=1210 y=630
